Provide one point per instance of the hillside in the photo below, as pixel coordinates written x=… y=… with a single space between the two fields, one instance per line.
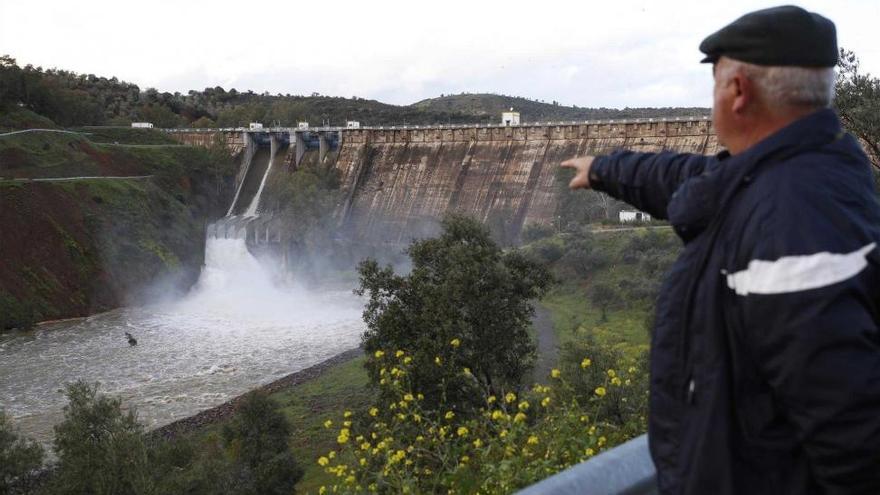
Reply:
x=489 y=106
x=85 y=245
x=29 y=96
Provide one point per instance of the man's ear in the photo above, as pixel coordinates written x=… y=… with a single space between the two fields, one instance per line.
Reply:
x=743 y=93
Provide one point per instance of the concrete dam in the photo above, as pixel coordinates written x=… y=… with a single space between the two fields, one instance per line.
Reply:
x=396 y=182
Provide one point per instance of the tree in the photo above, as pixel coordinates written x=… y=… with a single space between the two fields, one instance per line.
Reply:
x=100 y=449
x=257 y=439
x=857 y=100
x=20 y=458
x=465 y=304
x=604 y=296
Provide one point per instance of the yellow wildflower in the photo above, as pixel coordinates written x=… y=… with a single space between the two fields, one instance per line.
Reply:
x=363 y=461
x=555 y=373
x=455 y=342
x=437 y=361
x=323 y=461
x=523 y=406
x=379 y=354
x=322 y=490
x=407 y=360
x=497 y=414
x=420 y=396
x=467 y=371
x=408 y=397
x=589 y=452
x=519 y=418
x=600 y=391
x=365 y=446
x=374 y=411
x=328 y=424
x=346 y=414
x=602 y=441
x=502 y=433
x=449 y=415
x=465 y=459
x=478 y=443
x=632 y=369
x=491 y=399
x=462 y=431
x=545 y=402
x=399 y=354
x=510 y=397
x=616 y=381
x=586 y=363
x=611 y=373
x=533 y=440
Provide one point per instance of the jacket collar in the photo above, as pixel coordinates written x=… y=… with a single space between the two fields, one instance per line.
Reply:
x=701 y=199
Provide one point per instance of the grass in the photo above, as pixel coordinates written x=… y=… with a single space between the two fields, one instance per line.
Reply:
x=126 y=135
x=16 y=118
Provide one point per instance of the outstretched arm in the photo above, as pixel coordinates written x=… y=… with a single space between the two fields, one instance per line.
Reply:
x=644 y=180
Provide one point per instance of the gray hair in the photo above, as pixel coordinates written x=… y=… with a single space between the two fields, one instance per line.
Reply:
x=785 y=87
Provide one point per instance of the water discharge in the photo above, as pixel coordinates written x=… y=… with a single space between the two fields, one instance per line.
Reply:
x=234 y=331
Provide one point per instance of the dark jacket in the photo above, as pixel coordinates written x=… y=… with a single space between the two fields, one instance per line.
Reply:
x=765 y=357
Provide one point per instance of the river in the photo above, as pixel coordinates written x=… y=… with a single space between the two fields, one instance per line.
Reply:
x=234 y=331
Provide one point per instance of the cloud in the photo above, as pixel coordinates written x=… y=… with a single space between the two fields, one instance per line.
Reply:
x=614 y=54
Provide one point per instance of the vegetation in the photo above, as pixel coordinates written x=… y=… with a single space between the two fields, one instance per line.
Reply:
x=857 y=101
x=490 y=106
x=402 y=446
x=20 y=459
x=101 y=449
x=463 y=292
x=257 y=438
x=71 y=99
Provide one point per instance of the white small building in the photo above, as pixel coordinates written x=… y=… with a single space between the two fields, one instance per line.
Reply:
x=627 y=216
x=255 y=126
x=142 y=125
x=510 y=118
x=302 y=125
x=353 y=124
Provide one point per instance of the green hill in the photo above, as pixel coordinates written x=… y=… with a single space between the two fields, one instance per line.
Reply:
x=489 y=106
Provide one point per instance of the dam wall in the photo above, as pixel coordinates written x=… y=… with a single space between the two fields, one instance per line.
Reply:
x=396 y=183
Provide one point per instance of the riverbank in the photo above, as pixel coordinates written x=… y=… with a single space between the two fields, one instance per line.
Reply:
x=225 y=410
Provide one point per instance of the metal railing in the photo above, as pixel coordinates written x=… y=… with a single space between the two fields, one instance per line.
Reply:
x=624 y=470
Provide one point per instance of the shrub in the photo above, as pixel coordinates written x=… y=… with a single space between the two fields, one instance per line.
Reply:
x=402 y=446
x=100 y=448
x=536 y=232
x=257 y=441
x=20 y=458
x=465 y=304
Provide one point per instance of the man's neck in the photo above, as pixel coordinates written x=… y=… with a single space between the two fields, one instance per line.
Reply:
x=765 y=126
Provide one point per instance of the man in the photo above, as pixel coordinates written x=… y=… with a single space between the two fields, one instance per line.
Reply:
x=765 y=358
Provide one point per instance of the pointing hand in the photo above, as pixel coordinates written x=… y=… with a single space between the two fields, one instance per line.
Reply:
x=581 y=166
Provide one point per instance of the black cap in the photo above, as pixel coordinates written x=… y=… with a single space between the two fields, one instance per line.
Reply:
x=780 y=36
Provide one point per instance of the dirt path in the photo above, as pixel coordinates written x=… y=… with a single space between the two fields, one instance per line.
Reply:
x=548 y=345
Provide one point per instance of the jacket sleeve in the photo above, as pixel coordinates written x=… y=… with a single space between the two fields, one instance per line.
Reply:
x=646 y=180
x=808 y=302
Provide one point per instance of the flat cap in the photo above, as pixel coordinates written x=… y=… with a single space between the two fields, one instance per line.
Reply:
x=779 y=36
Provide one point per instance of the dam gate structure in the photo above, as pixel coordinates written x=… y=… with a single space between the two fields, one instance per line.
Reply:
x=396 y=182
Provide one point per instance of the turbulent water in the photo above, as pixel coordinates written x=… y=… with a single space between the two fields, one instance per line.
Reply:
x=234 y=331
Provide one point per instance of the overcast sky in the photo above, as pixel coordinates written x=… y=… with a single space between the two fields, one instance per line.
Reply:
x=612 y=53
